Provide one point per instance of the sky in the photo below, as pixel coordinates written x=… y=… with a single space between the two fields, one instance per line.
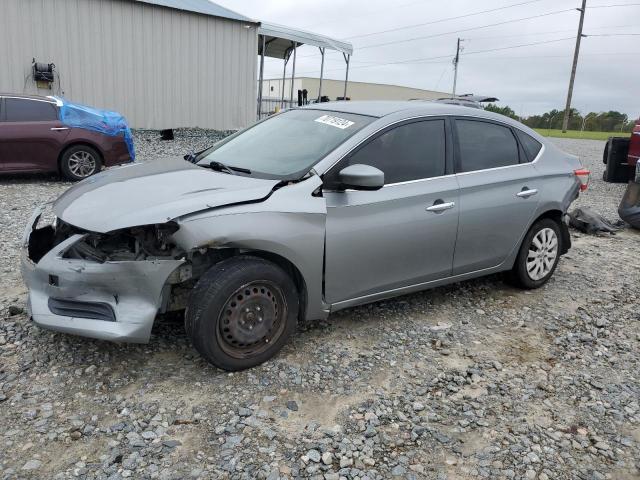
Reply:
x=530 y=79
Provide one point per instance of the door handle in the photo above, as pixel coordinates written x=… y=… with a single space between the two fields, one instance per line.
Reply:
x=526 y=193
x=440 y=207
x=59 y=129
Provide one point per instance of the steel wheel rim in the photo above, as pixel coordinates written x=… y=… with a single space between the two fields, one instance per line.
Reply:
x=542 y=254
x=82 y=163
x=253 y=318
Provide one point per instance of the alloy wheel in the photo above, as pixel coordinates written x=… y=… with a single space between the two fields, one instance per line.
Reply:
x=542 y=254
x=82 y=164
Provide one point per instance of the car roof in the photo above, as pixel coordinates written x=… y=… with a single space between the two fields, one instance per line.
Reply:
x=412 y=108
x=381 y=108
x=29 y=97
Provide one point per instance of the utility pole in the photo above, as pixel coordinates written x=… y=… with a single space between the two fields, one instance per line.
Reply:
x=567 y=110
x=455 y=67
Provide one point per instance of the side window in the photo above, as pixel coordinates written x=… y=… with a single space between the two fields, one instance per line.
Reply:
x=412 y=151
x=485 y=145
x=531 y=145
x=22 y=110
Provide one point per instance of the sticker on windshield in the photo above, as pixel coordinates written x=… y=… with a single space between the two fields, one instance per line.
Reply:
x=335 y=121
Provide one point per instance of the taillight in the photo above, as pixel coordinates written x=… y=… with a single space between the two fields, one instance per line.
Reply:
x=583 y=175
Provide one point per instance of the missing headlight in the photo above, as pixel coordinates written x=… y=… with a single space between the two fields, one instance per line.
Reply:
x=145 y=242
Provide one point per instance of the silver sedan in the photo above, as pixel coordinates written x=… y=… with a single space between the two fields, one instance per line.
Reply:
x=308 y=212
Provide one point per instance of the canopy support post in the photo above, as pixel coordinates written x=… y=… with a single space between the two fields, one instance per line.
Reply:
x=284 y=76
x=293 y=70
x=347 y=57
x=264 y=44
x=321 y=74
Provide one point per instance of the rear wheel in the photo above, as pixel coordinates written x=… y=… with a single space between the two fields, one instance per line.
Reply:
x=79 y=162
x=241 y=312
x=539 y=255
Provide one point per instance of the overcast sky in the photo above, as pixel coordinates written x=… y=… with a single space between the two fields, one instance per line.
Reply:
x=531 y=79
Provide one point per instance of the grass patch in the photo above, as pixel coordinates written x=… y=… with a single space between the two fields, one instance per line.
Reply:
x=579 y=134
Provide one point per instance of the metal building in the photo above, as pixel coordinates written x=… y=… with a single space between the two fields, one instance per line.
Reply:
x=161 y=63
x=334 y=89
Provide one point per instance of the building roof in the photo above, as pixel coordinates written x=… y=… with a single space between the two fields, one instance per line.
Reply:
x=204 y=7
x=279 y=39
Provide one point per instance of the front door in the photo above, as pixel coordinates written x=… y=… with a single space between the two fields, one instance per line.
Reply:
x=403 y=234
x=498 y=194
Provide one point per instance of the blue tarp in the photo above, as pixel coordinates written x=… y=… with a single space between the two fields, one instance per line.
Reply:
x=103 y=121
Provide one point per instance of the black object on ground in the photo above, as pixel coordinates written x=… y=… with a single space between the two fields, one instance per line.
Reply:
x=588 y=221
x=166 y=134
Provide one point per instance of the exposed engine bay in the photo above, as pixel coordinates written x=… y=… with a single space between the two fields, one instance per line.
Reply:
x=129 y=244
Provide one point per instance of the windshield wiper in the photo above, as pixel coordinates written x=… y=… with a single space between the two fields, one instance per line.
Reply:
x=221 y=167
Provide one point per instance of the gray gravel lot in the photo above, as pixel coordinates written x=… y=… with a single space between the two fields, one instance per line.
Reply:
x=475 y=380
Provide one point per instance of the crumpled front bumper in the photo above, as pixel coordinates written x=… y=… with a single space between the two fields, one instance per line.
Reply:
x=132 y=290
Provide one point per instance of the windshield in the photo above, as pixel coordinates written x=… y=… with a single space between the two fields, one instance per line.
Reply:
x=287 y=145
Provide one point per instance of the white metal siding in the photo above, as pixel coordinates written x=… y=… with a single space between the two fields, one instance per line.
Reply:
x=355 y=90
x=161 y=68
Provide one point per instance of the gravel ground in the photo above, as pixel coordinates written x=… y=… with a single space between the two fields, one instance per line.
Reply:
x=475 y=380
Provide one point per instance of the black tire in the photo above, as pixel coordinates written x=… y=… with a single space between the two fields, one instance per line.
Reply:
x=519 y=276
x=242 y=312
x=79 y=162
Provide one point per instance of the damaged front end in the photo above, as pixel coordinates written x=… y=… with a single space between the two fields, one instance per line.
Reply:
x=101 y=285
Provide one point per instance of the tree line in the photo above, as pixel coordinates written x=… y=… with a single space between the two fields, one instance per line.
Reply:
x=610 y=121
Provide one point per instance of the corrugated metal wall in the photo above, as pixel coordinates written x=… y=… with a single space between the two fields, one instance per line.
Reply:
x=159 y=67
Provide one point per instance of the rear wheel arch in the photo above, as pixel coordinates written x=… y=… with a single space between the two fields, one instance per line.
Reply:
x=556 y=215
x=78 y=144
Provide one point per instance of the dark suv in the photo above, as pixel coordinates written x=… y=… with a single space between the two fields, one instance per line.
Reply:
x=33 y=139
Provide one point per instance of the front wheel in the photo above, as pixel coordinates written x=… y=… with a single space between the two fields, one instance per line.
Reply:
x=242 y=312
x=538 y=256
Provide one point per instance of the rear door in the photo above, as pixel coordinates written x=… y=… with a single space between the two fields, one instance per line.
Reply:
x=498 y=193
x=31 y=136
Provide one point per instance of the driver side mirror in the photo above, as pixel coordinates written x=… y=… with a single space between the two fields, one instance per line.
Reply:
x=361 y=177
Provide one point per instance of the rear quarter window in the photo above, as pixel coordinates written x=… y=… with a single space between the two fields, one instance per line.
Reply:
x=531 y=146
x=483 y=145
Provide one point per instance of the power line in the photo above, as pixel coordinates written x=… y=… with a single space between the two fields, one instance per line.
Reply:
x=614 y=35
x=555 y=12
x=499 y=58
x=616 y=5
x=546 y=33
x=443 y=20
x=474 y=52
x=395 y=42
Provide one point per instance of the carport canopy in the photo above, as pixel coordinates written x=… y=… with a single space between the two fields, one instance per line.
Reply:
x=278 y=41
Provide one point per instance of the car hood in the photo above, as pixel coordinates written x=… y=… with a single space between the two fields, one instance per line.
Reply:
x=153 y=192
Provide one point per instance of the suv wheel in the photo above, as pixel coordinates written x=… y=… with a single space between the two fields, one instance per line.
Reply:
x=80 y=162
x=242 y=312
x=538 y=256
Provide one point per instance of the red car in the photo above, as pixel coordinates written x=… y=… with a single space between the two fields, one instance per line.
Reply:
x=34 y=139
x=634 y=146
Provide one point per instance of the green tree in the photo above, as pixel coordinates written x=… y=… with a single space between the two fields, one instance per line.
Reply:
x=506 y=110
